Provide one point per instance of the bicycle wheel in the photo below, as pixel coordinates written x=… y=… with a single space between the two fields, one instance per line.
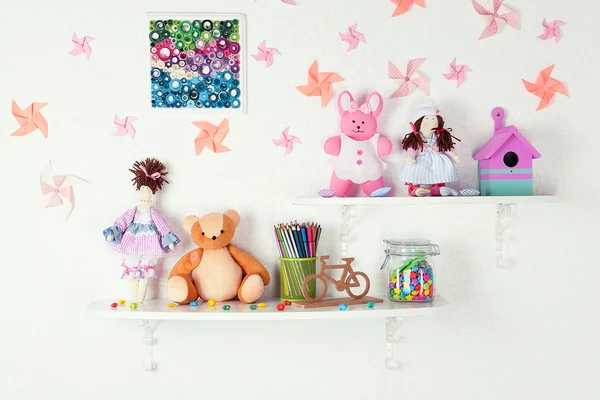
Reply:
x=313 y=280
x=357 y=285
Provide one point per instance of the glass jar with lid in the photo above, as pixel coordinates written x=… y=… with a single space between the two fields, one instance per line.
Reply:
x=409 y=270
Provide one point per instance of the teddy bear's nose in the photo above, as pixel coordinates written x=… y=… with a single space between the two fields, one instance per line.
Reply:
x=357 y=126
x=214 y=238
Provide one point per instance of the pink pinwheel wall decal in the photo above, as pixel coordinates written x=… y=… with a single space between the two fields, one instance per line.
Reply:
x=286 y=141
x=265 y=54
x=290 y=2
x=319 y=83
x=58 y=189
x=411 y=77
x=124 y=126
x=457 y=73
x=545 y=87
x=30 y=119
x=352 y=37
x=496 y=14
x=211 y=136
x=551 y=30
x=81 y=45
x=404 y=5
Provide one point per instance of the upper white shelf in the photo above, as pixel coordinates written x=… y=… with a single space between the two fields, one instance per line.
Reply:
x=158 y=310
x=415 y=201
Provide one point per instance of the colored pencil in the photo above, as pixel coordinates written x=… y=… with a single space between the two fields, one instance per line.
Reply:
x=288 y=232
x=318 y=237
x=304 y=239
x=283 y=243
x=290 y=254
x=313 y=238
x=297 y=241
x=310 y=241
x=278 y=241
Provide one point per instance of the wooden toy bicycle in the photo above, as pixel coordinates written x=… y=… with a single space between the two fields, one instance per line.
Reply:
x=355 y=283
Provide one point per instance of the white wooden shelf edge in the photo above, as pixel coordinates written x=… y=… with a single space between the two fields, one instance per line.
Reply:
x=415 y=201
x=159 y=310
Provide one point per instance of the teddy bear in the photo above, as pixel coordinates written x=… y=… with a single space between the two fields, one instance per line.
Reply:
x=216 y=270
x=359 y=148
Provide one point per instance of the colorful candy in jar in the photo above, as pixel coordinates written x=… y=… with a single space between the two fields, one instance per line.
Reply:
x=414 y=281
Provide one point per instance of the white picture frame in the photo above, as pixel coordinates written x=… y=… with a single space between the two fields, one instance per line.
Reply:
x=243 y=64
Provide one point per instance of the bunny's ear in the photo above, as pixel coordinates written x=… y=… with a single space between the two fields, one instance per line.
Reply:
x=341 y=108
x=376 y=108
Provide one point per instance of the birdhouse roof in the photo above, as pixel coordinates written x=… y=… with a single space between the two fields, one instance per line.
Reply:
x=500 y=137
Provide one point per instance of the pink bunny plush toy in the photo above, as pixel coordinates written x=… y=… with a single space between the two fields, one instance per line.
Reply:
x=359 y=149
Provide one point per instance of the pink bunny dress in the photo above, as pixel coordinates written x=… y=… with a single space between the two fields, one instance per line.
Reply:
x=358 y=160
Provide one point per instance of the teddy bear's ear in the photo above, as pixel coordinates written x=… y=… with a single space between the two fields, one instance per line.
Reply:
x=341 y=108
x=234 y=216
x=376 y=109
x=189 y=222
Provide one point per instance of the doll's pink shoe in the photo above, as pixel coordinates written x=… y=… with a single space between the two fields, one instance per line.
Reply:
x=421 y=192
x=381 y=192
x=435 y=189
x=418 y=191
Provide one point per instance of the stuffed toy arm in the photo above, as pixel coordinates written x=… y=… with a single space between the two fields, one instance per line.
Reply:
x=249 y=264
x=411 y=156
x=453 y=156
x=384 y=146
x=115 y=232
x=333 y=145
x=187 y=263
x=167 y=238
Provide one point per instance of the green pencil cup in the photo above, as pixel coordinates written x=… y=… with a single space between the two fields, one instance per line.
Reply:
x=293 y=272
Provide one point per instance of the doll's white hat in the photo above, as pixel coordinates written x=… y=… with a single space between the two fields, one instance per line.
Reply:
x=428 y=108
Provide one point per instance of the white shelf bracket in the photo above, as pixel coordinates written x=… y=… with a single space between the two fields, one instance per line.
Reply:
x=392 y=325
x=348 y=213
x=149 y=326
x=502 y=213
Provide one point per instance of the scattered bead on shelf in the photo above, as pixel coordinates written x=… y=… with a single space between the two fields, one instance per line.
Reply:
x=193 y=304
x=121 y=302
x=114 y=305
x=252 y=306
x=262 y=305
x=280 y=307
x=370 y=304
x=226 y=307
x=133 y=306
x=343 y=307
x=287 y=303
x=212 y=302
x=171 y=305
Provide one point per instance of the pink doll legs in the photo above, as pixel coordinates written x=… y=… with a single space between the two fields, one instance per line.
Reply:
x=375 y=188
x=341 y=187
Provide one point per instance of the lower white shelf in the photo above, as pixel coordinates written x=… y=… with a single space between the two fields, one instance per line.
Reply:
x=159 y=310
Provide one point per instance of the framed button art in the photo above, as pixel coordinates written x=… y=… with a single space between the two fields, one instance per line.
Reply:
x=197 y=62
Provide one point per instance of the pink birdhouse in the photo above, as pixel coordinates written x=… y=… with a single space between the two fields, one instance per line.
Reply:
x=506 y=161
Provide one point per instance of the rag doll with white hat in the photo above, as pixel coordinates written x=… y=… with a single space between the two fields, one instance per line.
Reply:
x=429 y=155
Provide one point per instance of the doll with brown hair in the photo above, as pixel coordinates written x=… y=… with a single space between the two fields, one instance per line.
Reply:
x=141 y=235
x=429 y=154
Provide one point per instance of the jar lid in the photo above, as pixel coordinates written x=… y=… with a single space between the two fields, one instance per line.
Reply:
x=413 y=247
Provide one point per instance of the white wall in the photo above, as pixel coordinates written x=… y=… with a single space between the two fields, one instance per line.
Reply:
x=522 y=332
